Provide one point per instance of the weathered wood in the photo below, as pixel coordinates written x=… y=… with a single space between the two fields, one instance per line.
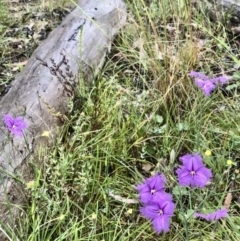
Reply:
x=77 y=47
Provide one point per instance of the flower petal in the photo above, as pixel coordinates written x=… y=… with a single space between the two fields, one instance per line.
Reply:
x=184 y=177
x=168 y=208
x=219 y=80
x=161 y=197
x=145 y=197
x=220 y=213
x=156 y=182
x=8 y=120
x=199 y=75
x=202 y=177
x=150 y=211
x=206 y=86
x=20 y=123
x=188 y=159
x=161 y=223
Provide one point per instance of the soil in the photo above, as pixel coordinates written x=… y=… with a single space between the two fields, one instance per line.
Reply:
x=25 y=25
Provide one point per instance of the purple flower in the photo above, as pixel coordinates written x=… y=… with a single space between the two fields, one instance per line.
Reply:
x=193 y=172
x=15 y=125
x=219 y=80
x=159 y=212
x=207 y=86
x=220 y=213
x=151 y=188
x=199 y=75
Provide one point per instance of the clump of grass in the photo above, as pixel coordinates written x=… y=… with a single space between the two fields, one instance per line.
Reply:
x=4 y=17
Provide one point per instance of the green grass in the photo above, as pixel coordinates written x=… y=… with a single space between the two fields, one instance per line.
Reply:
x=141 y=113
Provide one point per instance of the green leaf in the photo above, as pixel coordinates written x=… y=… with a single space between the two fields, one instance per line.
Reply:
x=233 y=86
x=158 y=119
x=179 y=191
x=236 y=75
x=186 y=216
x=182 y=126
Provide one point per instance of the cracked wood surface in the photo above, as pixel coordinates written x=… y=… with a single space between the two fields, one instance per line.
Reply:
x=77 y=47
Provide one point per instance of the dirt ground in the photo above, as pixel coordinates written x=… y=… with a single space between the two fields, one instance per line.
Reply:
x=23 y=25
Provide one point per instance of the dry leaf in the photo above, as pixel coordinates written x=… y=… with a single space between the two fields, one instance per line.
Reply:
x=122 y=199
x=17 y=66
x=228 y=200
x=158 y=52
x=147 y=167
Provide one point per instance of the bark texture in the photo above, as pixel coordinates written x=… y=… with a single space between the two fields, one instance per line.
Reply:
x=42 y=91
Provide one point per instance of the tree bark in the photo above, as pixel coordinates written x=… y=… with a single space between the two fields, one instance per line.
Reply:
x=41 y=93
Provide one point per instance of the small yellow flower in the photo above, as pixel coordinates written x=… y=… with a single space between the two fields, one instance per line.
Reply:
x=61 y=217
x=46 y=133
x=94 y=216
x=30 y=184
x=229 y=162
x=130 y=211
x=208 y=153
x=237 y=171
x=153 y=173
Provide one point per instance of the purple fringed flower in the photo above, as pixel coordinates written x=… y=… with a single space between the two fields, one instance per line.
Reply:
x=15 y=125
x=193 y=172
x=206 y=84
x=151 y=188
x=160 y=212
x=199 y=75
x=220 y=213
x=219 y=80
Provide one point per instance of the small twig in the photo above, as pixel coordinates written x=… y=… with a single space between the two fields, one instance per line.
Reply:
x=42 y=62
x=66 y=80
x=122 y=199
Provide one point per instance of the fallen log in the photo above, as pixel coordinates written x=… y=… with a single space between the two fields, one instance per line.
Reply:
x=41 y=93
